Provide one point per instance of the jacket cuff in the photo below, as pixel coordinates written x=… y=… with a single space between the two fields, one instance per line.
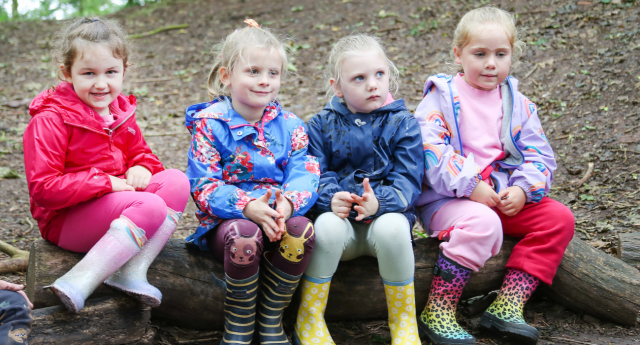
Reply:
x=471 y=186
x=241 y=206
x=525 y=186
x=382 y=205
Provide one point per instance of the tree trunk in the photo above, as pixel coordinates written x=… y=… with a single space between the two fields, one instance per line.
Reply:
x=14 y=10
x=629 y=249
x=103 y=321
x=587 y=281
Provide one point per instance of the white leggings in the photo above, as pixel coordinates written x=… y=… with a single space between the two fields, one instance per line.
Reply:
x=387 y=238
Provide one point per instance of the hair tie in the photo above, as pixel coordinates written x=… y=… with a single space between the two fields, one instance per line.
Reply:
x=95 y=20
x=252 y=23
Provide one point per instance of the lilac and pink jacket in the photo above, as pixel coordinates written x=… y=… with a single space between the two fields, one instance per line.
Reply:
x=529 y=161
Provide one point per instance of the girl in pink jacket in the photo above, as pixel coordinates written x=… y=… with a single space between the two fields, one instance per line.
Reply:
x=95 y=185
x=488 y=166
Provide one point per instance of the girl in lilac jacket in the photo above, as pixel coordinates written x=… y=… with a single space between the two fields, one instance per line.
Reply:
x=488 y=167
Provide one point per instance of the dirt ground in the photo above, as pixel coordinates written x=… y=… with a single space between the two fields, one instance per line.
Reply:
x=580 y=67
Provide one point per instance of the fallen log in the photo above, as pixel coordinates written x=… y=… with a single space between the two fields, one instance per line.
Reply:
x=588 y=281
x=629 y=248
x=107 y=320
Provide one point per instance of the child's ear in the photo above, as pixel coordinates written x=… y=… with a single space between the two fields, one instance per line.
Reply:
x=458 y=55
x=224 y=76
x=336 y=87
x=66 y=76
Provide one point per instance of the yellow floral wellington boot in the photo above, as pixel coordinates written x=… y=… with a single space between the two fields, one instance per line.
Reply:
x=401 y=305
x=310 y=326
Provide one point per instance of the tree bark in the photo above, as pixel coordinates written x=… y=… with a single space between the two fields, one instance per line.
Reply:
x=14 y=10
x=103 y=321
x=629 y=248
x=587 y=281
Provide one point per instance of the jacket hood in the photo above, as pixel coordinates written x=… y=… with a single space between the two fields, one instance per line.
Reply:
x=221 y=109
x=338 y=106
x=441 y=80
x=64 y=101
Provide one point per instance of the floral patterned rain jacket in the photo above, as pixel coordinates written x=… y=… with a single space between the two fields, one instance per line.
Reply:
x=384 y=145
x=232 y=162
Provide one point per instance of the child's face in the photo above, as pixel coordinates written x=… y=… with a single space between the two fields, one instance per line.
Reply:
x=97 y=77
x=486 y=59
x=255 y=80
x=364 y=82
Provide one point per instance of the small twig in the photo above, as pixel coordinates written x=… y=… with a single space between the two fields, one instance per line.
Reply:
x=152 y=80
x=390 y=29
x=26 y=219
x=12 y=251
x=158 y=30
x=584 y=232
x=531 y=72
x=570 y=341
x=586 y=176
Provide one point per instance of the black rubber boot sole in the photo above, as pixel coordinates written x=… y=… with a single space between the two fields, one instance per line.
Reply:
x=440 y=340
x=523 y=334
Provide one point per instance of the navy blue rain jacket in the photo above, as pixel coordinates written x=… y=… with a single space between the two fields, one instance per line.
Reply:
x=384 y=145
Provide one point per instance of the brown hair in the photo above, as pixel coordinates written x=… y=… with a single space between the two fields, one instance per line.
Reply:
x=473 y=21
x=76 y=36
x=227 y=53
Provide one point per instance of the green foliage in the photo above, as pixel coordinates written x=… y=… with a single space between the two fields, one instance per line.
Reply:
x=52 y=9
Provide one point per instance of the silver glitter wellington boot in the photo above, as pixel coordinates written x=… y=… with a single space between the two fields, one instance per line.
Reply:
x=132 y=277
x=122 y=241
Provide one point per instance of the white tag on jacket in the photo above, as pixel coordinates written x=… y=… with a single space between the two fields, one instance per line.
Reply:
x=131 y=130
x=360 y=122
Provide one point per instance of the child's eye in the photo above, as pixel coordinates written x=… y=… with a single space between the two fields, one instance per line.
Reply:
x=87 y=73
x=479 y=54
x=501 y=54
x=358 y=78
x=253 y=71
x=379 y=74
x=273 y=73
x=111 y=72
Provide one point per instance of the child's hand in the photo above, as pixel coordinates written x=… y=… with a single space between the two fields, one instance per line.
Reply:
x=259 y=212
x=513 y=204
x=17 y=288
x=484 y=194
x=368 y=204
x=138 y=177
x=120 y=185
x=284 y=208
x=341 y=204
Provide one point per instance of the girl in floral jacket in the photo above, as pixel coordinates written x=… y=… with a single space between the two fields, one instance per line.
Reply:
x=250 y=177
x=488 y=166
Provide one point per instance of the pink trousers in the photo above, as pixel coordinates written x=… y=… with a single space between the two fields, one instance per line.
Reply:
x=88 y=221
x=472 y=232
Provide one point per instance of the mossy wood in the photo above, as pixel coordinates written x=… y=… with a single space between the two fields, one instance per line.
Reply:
x=587 y=281
x=107 y=320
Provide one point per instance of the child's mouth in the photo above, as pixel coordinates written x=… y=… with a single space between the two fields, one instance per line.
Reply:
x=373 y=98
x=99 y=95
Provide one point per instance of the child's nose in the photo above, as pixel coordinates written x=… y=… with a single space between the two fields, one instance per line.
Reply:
x=100 y=83
x=264 y=80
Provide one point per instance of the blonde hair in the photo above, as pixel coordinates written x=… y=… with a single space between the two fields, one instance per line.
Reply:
x=474 y=19
x=227 y=54
x=352 y=45
x=73 y=38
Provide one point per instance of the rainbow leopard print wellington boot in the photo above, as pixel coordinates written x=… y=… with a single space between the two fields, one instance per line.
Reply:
x=438 y=320
x=504 y=315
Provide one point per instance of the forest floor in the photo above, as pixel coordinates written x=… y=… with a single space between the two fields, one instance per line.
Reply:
x=581 y=67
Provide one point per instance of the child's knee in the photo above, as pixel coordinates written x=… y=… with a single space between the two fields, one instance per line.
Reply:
x=391 y=228
x=299 y=241
x=565 y=227
x=330 y=230
x=179 y=181
x=243 y=239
